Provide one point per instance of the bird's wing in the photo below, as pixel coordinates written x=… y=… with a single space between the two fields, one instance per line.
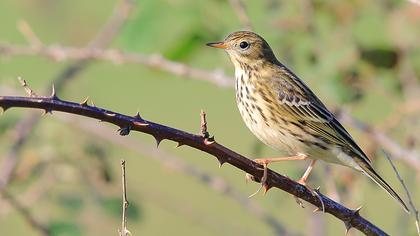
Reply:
x=300 y=103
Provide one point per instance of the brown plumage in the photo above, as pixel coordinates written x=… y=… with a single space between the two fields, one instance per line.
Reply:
x=285 y=114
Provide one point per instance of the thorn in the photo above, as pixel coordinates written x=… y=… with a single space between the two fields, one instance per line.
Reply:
x=209 y=141
x=93 y=104
x=85 y=102
x=221 y=161
x=124 y=130
x=53 y=93
x=316 y=210
x=137 y=123
x=356 y=212
x=348 y=226
x=266 y=188
x=318 y=188
x=4 y=109
x=158 y=140
x=47 y=111
x=137 y=116
x=179 y=144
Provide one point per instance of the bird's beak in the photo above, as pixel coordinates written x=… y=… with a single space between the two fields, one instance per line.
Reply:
x=221 y=45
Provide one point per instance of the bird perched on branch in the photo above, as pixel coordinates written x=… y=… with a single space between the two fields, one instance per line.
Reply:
x=286 y=115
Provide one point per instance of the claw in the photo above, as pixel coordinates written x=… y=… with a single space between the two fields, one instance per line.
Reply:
x=320 y=200
x=299 y=202
x=263 y=182
x=314 y=193
x=209 y=141
x=259 y=189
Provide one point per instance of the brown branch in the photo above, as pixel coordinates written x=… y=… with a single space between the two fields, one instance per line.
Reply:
x=25 y=126
x=350 y=217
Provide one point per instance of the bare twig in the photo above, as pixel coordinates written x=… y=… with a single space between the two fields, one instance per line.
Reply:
x=350 y=217
x=25 y=86
x=155 y=61
x=410 y=200
x=124 y=231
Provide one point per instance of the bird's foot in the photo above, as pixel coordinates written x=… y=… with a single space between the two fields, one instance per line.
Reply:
x=263 y=179
x=314 y=193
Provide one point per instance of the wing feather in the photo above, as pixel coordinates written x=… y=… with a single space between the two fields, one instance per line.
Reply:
x=302 y=104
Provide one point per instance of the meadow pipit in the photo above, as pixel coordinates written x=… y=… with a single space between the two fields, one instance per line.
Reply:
x=286 y=115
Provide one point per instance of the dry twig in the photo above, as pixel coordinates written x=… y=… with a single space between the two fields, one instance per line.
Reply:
x=124 y=231
x=410 y=200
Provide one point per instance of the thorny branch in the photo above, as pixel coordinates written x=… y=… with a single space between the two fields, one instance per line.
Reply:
x=173 y=162
x=351 y=218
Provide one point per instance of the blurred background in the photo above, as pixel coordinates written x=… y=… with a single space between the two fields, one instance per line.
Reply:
x=60 y=174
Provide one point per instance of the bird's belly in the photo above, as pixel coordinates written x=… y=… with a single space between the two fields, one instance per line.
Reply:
x=282 y=136
x=273 y=135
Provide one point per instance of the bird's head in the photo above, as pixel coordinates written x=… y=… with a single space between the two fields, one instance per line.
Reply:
x=246 y=47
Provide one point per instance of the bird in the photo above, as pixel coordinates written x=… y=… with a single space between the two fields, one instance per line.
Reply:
x=284 y=113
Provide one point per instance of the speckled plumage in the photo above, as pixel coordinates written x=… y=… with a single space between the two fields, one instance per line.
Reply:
x=284 y=113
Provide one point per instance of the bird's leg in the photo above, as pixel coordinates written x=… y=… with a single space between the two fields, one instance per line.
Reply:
x=266 y=161
x=302 y=181
x=305 y=176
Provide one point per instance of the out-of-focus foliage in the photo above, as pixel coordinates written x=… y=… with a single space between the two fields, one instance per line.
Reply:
x=363 y=56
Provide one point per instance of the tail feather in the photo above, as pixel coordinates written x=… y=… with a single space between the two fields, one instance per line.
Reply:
x=371 y=173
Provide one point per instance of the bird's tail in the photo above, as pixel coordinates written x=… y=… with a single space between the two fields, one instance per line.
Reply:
x=371 y=173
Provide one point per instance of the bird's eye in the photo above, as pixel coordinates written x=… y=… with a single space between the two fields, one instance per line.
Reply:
x=244 y=45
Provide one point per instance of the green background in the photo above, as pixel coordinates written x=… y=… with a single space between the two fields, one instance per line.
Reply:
x=351 y=53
